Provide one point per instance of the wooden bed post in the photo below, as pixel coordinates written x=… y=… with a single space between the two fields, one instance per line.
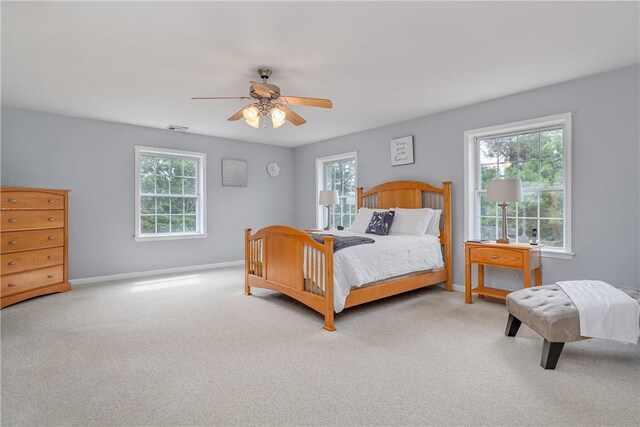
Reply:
x=359 y=191
x=328 y=284
x=448 y=257
x=247 y=260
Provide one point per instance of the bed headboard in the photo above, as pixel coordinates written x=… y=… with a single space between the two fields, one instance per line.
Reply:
x=412 y=195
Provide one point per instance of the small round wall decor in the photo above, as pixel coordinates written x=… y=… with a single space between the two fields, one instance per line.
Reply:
x=273 y=169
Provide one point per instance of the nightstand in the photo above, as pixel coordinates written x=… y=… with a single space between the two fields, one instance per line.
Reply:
x=518 y=256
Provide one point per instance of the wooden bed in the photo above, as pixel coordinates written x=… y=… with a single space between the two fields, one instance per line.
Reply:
x=288 y=260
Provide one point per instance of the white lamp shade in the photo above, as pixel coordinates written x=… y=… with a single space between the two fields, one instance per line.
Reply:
x=328 y=197
x=504 y=190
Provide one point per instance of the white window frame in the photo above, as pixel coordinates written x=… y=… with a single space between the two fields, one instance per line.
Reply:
x=201 y=193
x=471 y=180
x=320 y=180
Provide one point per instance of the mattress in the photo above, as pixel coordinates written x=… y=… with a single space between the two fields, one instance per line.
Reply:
x=388 y=257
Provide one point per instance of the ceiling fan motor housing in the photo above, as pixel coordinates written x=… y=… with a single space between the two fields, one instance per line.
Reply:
x=274 y=95
x=264 y=75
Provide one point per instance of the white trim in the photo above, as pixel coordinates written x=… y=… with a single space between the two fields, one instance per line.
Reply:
x=176 y=236
x=202 y=192
x=456 y=288
x=123 y=276
x=550 y=253
x=320 y=178
x=470 y=161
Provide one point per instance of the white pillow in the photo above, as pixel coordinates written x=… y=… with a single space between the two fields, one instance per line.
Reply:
x=434 y=225
x=362 y=220
x=411 y=221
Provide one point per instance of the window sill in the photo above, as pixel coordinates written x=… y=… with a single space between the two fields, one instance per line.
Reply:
x=546 y=253
x=170 y=237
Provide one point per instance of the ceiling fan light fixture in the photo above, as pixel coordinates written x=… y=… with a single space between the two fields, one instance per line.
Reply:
x=277 y=117
x=276 y=124
x=250 y=113
x=255 y=122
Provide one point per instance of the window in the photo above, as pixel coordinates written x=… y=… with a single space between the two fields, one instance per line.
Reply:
x=170 y=202
x=337 y=173
x=538 y=153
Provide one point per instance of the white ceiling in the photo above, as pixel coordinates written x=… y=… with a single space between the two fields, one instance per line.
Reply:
x=379 y=62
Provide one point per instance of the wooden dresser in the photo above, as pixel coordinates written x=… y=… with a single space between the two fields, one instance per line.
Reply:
x=34 y=243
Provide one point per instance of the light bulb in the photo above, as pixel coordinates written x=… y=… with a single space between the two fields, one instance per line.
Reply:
x=255 y=122
x=250 y=113
x=276 y=124
x=278 y=115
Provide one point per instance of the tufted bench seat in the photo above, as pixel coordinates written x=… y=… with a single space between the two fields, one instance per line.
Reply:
x=550 y=312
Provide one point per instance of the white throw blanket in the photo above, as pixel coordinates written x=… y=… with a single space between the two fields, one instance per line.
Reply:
x=605 y=312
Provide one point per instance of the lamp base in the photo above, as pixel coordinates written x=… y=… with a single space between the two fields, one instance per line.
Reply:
x=506 y=241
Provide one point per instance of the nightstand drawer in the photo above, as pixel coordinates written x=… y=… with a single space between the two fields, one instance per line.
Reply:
x=501 y=257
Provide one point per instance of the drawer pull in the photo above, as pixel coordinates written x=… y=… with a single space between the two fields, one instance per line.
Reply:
x=12 y=263
x=50 y=276
x=12 y=200
x=50 y=257
x=12 y=285
x=51 y=201
x=13 y=242
x=51 y=218
x=51 y=237
x=12 y=220
x=494 y=256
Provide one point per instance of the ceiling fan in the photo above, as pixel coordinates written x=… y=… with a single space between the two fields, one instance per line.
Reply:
x=270 y=102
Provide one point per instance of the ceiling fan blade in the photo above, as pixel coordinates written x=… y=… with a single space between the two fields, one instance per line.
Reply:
x=262 y=90
x=221 y=97
x=310 y=102
x=291 y=116
x=236 y=116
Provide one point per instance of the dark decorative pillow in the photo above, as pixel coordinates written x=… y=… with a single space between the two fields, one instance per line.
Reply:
x=381 y=223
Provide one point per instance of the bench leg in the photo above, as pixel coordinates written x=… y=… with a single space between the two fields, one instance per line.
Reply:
x=513 y=324
x=550 y=354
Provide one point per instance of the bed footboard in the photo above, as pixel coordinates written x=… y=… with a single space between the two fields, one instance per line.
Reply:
x=288 y=260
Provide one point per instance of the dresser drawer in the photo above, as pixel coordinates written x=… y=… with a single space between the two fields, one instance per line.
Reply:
x=31 y=220
x=15 y=241
x=31 y=200
x=21 y=282
x=31 y=260
x=503 y=257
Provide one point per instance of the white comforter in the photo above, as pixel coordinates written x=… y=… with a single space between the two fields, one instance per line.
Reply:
x=389 y=256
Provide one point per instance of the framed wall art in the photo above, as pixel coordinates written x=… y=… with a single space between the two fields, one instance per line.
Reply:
x=234 y=173
x=402 y=151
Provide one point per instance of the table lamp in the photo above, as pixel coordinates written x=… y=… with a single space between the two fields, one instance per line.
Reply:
x=504 y=191
x=328 y=198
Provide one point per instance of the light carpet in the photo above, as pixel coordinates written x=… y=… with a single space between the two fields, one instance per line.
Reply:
x=191 y=349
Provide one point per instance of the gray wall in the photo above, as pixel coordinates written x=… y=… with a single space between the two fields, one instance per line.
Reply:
x=95 y=160
x=605 y=175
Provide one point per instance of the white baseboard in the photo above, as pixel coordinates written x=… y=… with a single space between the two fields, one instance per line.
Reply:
x=94 y=280
x=458 y=288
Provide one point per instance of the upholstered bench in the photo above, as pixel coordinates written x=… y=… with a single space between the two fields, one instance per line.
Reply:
x=550 y=312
